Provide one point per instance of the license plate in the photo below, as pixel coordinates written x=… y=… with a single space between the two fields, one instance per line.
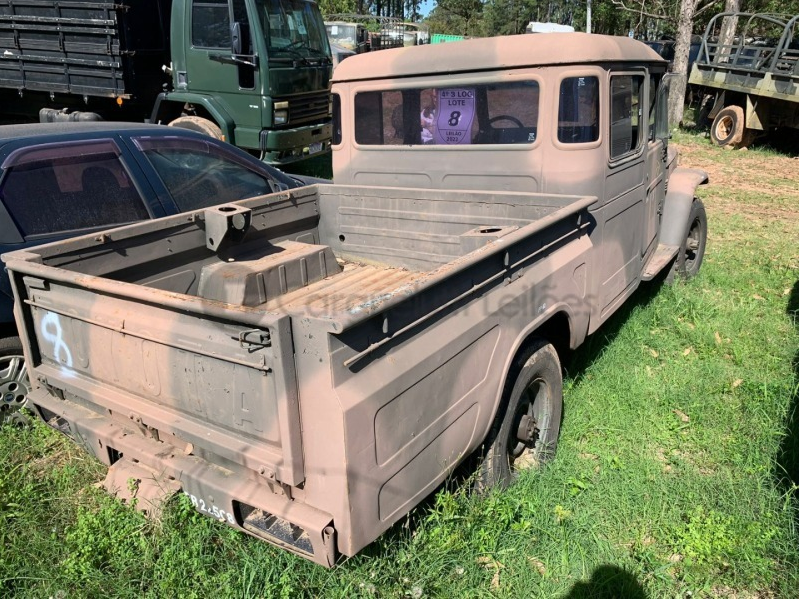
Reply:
x=315 y=147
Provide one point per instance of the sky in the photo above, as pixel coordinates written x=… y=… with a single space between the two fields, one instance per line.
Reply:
x=426 y=7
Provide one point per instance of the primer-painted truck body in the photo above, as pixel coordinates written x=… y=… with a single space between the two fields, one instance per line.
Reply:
x=307 y=366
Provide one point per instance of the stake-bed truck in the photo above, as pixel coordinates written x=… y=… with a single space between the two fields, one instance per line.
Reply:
x=253 y=72
x=308 y=365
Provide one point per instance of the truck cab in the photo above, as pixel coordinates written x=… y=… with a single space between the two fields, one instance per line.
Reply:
x=240 y=64
x=568 y=113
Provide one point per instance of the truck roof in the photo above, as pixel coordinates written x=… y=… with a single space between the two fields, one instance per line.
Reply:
x=494 y=53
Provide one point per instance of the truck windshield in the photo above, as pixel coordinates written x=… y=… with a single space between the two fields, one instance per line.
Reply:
x=293 y=29
x=343 y=34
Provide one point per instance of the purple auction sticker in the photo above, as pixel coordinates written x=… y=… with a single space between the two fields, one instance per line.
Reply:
x=455 y=113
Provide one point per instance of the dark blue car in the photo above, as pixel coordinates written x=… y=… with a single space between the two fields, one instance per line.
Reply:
x=67 y=179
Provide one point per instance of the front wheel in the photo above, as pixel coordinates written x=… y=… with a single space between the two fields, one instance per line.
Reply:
x=693 y=248
x=525 y=431
x=199 y=124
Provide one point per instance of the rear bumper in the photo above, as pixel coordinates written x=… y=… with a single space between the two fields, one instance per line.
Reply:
x=221 y=494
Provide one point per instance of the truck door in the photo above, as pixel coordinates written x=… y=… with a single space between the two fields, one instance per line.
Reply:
x=656 y=159
x=623 y=208
x=217 y=66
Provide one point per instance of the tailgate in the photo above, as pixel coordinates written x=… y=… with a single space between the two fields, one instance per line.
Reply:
x=215 y=381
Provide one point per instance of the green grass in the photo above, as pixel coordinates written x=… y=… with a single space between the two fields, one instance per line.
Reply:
x=676 y=470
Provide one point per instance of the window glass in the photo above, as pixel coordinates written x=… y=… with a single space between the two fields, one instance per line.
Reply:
x=211 y=25
x=626 y=111
x=579 y=110
x=198 y=175
x=80 y=191
x=497 y=113
x=336 y=108
x=655 y=80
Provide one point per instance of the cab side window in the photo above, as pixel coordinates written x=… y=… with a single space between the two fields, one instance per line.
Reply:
x=626 y=114
x=579 y=110
x=211 y=25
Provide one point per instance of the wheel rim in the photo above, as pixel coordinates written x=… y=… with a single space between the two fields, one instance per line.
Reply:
x=531 y=421
x=693 y=241
x=724 y=128
x=14 y=388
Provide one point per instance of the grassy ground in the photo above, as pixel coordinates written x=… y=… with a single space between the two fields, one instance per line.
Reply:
x=676 y=474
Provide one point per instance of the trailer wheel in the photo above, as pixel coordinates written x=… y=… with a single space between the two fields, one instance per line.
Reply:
x=199 y=124
x=690 y=255
x=728 y=129
x=525 y=431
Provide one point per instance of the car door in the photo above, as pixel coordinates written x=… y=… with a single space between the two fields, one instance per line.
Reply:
x=656 y=159
x=623 y=206
x=49 y=191
x=211 y=66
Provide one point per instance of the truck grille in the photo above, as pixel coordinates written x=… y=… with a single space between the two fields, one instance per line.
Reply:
x=312 y=108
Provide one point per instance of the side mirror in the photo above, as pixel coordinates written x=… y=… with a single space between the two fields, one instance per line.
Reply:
x=236 y=38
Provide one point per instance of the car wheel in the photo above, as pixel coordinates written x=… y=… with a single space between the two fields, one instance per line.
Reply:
x=693 y=248
x=14 y=383
x=199 y=124
x=525 y=431
x=728 y=128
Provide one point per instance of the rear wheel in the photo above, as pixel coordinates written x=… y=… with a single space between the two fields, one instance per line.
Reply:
x=693 y=248
x=199 y=124
x=14 y=383
x=525 y=431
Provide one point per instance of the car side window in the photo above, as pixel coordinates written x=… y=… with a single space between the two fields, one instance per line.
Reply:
x=56 y=188
x=626 y=114
x=579 y=110
x=211 y=25
x=198 y=174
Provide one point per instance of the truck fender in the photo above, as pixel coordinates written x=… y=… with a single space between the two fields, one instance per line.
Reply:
x=678 y=203
x=561 y=316
x=165 y=102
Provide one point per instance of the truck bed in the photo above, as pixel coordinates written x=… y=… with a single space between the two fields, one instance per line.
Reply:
x=146 y=337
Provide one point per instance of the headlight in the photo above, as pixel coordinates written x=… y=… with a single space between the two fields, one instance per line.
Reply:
x=281 y=114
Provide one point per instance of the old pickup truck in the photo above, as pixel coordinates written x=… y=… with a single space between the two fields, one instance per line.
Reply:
x=307 y=366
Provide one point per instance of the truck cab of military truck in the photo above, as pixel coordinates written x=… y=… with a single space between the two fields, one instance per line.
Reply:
x=257 y=69
x=567 y=113
x=252 y=72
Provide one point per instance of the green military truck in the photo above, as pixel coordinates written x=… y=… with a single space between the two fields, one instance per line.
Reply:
x=747 y=68
x=253 y=72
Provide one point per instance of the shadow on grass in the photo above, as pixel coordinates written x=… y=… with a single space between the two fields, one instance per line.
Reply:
x=787 y=458
x=608 y=582
x=582 y=358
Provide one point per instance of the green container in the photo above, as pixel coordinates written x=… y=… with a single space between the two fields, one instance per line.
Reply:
x=440 y=38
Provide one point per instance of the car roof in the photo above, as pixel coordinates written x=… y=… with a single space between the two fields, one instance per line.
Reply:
x=8 y=132
x=29 y=131
x=493 y=53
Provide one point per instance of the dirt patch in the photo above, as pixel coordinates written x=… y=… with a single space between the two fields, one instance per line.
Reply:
x=735 y=172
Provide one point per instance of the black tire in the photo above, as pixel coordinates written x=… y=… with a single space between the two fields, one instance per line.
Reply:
x=10 y=346
x=728 y=128
x=199 y=124
x=706 y=104
x=690 y=255
x=532 y=402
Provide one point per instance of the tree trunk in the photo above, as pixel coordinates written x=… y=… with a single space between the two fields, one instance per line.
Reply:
x=727 y=31
x=680 y=65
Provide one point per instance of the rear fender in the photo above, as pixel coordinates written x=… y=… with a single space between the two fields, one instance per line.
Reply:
x=680 y=194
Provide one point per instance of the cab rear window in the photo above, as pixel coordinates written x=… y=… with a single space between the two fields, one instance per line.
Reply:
x=497 y=113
